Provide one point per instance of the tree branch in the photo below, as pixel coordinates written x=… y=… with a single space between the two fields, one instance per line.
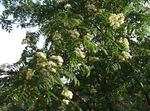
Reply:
x=84 y=101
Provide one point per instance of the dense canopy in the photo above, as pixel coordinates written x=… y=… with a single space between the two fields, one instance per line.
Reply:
x=95 y=57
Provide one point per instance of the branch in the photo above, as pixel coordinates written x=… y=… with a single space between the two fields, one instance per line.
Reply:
x=84 y=101
x=98 y=29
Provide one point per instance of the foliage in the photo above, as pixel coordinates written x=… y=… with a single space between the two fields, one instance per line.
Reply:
x=100 y=47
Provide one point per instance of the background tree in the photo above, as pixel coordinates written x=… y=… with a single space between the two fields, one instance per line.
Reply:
x=100 y=47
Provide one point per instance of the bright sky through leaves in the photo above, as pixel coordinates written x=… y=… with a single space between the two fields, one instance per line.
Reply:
x=10 y=43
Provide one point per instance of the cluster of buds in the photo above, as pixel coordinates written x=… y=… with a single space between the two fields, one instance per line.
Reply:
x=116 y=20
x=91 y=7
x=29 y=74
x=68 y=95
x=74 y=33
x=80 y=53
x=88 y=36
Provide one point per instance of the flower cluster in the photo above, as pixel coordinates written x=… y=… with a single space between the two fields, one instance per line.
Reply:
x=68 y=95
x=60 y=1
x=74 y=33
x=125 y=43
x=67 y=6
x=57 y=59
x=54 y=63
x=80 y=53
x=66 y=101
x=91 y=7
x=116 y=20
x=41 y=55
x=88 y=36
x=29 y=74
x=125 y=54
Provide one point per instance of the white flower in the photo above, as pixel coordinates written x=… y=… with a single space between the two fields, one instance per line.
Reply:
x=79 y=65
x=88 y=36
x=53 y=70
x=121 y=21
x=41 y=54
x=67 y=94
x=51 y=63
x=121 y=16
x=79 y=52
x=74 y=33
x=29 y=74
x=126 y=42
x=116 y=20
x=41 y=64
x=112 y=18
x=60 y=1
x=66 y=101
x=65 y=80
x=58 y=59
x=91 y=7
x=67 y=6
x=116 y=25
x=126 y=55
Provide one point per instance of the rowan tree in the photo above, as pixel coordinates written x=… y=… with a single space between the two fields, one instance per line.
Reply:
x=95 y=57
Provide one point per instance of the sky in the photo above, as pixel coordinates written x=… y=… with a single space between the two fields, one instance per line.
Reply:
x=10 y=43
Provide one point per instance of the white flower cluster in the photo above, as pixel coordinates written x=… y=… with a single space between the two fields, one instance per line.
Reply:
x=74 y=33
x=116 y=20
x=125 y=43
x=67 y=94
x=29 y=74
x=60 y=1
x=125 y=54
x=68 y=6
x=57 y=59
x=66 y=101
x=88 y=36
x=55 y=62
x=41 y=55
x=91 y=7
x=80 y=53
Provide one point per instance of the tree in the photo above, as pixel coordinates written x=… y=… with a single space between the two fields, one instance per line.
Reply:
x=100 y=47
